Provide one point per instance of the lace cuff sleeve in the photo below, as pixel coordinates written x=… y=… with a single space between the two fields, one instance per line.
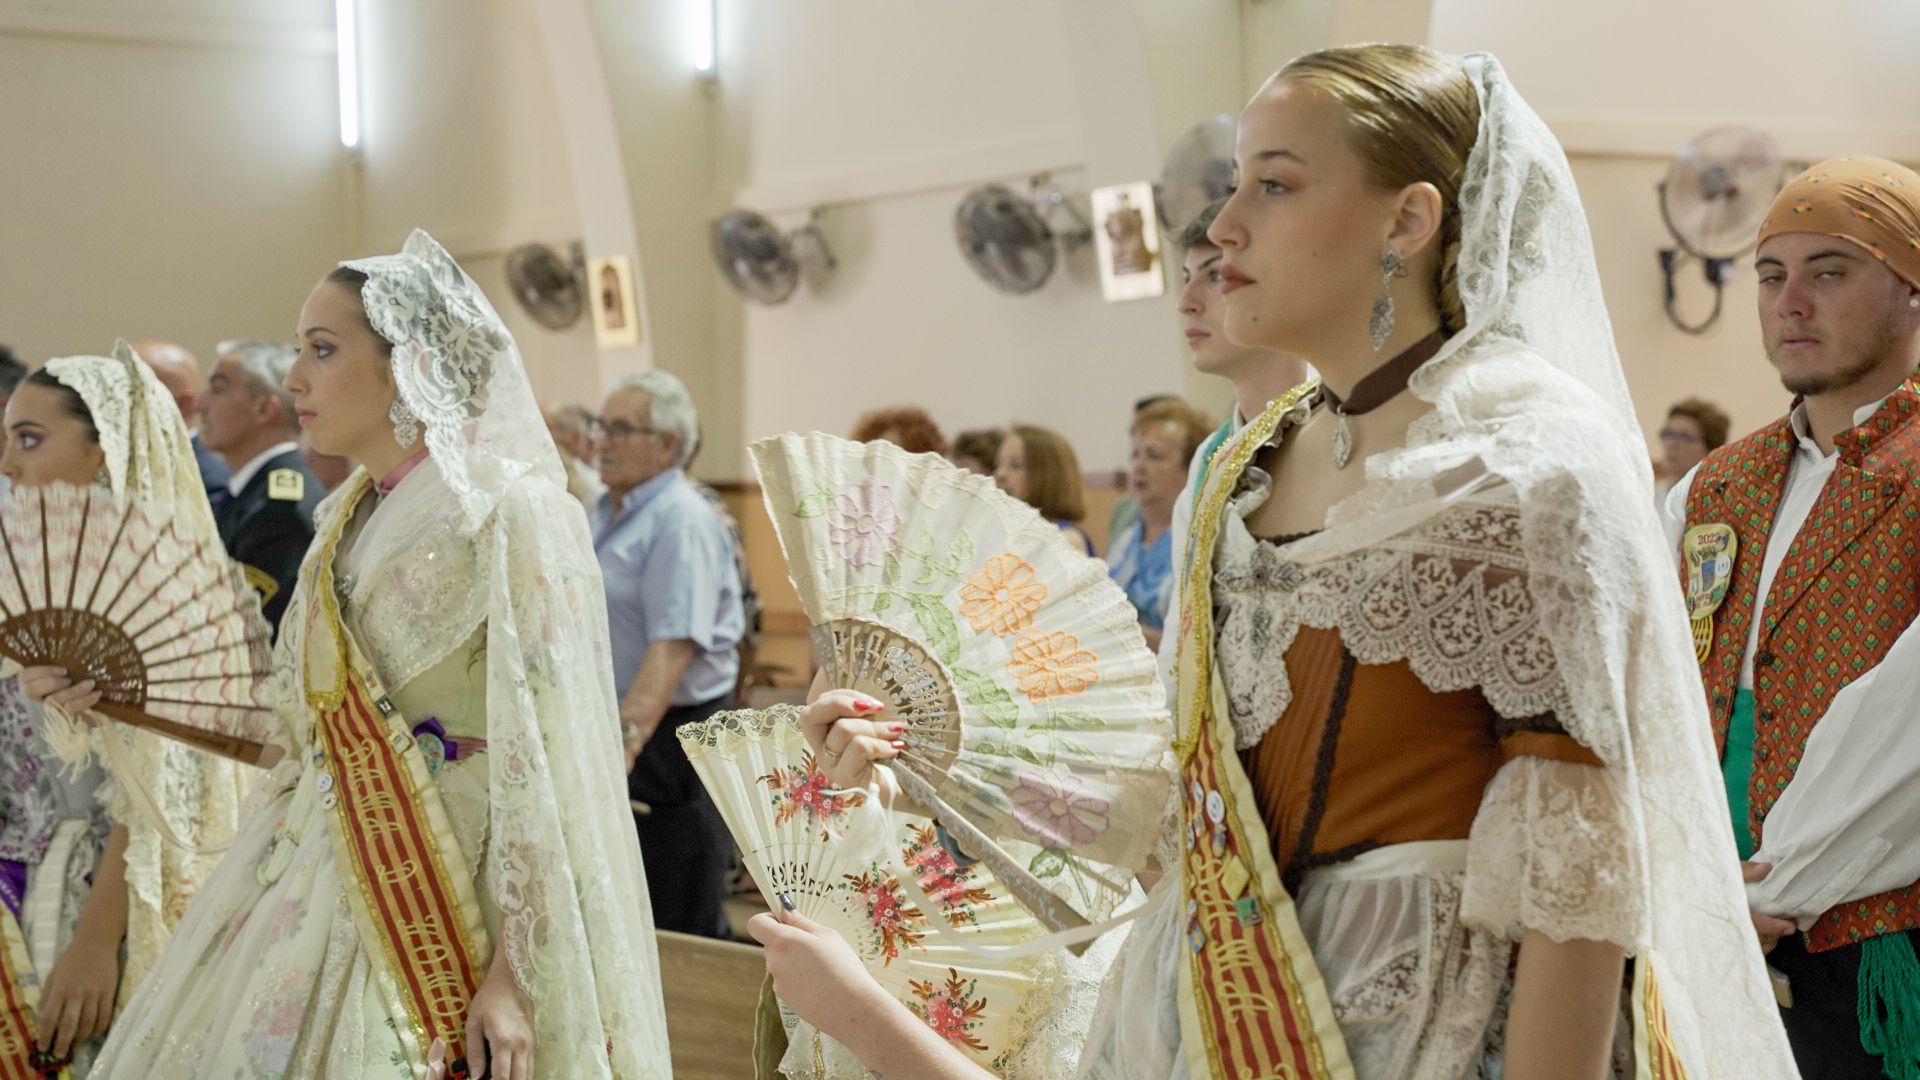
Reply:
x=1553 y=849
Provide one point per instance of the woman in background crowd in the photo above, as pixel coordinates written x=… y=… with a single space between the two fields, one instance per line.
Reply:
x=1165 y=436
x=1039 y=468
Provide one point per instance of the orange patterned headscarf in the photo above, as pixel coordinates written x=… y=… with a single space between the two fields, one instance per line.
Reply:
x=1871 y=202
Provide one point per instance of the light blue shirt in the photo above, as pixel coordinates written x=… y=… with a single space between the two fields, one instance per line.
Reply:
x=1143 y=571
x=667 y=560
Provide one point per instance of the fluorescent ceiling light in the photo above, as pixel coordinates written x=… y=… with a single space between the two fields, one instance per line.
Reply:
x=706 y=34
x=346 y=34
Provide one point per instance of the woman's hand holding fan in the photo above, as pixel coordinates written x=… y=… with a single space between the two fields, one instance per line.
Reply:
x=848 y=745
x=112 y=607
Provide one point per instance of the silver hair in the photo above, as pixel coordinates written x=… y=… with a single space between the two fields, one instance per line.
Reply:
x=671 y=409
x=266 y=364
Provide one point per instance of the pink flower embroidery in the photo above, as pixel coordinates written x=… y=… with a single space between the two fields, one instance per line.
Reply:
x=950 y=1009
x=944 y=880
x=804 y=790
x=865 y=526
x=896 y=924
x=1058 y=809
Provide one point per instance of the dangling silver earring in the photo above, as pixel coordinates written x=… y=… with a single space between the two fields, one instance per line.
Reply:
x=406 y=426
x=1380 y=327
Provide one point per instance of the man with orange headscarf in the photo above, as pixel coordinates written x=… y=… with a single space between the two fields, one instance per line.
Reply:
x=1800 y=547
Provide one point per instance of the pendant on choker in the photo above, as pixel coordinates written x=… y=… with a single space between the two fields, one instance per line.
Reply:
x=1342 y=439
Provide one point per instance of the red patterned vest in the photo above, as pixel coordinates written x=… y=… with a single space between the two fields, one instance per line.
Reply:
x=1848 y=587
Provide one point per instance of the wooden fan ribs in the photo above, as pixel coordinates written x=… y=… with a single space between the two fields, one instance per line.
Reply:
x=166 y=615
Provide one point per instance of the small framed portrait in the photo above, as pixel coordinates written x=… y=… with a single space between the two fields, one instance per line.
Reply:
x=1126 y=237
x=616 y=318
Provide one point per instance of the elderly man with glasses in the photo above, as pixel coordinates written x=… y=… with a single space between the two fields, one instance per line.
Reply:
x=674 y=613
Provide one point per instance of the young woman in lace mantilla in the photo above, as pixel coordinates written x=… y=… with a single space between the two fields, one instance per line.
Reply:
x=446 y=869
x=1443 y=761
x=93 y=881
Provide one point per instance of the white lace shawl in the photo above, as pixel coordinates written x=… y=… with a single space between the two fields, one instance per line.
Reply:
x=149 y=456
x=1529 y=398
x=502 y=543
x=142 y=434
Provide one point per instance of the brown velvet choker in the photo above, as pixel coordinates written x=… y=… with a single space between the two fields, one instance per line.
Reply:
x=1375 y=389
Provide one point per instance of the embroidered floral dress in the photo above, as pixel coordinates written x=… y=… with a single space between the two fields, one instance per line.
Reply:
x=53 y=831
x=269 y=975
x=471 y=592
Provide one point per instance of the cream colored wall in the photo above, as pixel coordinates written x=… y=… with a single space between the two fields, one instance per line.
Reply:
x=665 y=118
x=463 y=139
x=890 y=113
x=170 y=169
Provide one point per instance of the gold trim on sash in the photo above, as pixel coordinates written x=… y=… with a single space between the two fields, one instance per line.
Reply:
x=19 y=997
x=415 y=902
x=1252 y=1002
x=1655 y=1057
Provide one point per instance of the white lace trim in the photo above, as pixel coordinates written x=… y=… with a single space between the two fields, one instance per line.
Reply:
x=1451 y=598
x=1552 y=850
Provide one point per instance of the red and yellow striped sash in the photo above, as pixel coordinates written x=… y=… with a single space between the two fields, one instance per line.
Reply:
x=19 y=996
x=1655 y=1056
x=1252 y=1002
x=413 y=896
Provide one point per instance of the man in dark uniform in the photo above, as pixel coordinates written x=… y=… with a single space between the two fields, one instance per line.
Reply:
x=247 y=417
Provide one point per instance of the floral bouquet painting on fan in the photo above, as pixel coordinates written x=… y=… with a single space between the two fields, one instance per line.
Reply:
x=856 y=868
x=1037 y=729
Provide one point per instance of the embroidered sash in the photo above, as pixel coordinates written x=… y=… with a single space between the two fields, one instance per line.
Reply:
x=1252 y=1002
x=413 y=899
x=19 y=996
x=1655 y=1056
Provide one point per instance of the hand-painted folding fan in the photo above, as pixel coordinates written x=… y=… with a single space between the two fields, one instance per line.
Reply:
x=828 y=852
x=163 y=623
x=1035 y=713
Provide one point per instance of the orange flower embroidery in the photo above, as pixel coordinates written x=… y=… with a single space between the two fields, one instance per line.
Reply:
x=1052 y=665
x=1002 y=595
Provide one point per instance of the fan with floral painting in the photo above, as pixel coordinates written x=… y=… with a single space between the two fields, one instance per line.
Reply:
x=841 y=862
x=1037 y=727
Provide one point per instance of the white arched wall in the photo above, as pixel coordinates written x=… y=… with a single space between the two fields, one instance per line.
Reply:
x=601 y=192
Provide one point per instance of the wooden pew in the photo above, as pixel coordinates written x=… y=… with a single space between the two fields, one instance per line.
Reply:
x=712 y=987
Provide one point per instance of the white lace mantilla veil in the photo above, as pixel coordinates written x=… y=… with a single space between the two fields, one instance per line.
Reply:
x=511 y=548
x=149 y=456
x=1531 y=407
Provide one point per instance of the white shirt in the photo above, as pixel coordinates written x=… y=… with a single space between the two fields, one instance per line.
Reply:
x=1848 y=824
x=237 y=482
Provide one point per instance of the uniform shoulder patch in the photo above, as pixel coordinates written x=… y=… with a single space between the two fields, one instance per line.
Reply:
x=286 y=485
x=263 y=583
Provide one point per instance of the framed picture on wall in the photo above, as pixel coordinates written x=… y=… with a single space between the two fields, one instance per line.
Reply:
x=1126 y=238
x=616 y=318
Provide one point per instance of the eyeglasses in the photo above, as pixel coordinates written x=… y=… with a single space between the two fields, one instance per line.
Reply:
x=620 y=429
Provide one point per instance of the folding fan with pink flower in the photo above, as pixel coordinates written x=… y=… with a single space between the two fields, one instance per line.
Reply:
x=1037 y=727
x=842 y=862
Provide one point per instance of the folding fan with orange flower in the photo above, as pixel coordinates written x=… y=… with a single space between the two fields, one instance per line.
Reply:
x=1037 y=728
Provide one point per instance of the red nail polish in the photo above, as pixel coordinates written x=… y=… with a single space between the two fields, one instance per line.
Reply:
x=897 y=728
x=899 y=744
x=866 y=705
